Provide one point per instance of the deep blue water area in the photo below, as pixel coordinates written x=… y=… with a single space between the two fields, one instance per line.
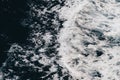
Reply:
x=12 y=12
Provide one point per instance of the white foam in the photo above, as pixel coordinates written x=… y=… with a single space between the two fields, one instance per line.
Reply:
x=89 y=16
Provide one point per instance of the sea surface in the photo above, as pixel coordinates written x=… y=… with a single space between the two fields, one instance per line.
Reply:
x=60 y=40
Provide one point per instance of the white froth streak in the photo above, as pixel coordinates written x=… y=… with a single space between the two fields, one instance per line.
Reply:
x=115 y=28
x=69 y=14
x=65 y=50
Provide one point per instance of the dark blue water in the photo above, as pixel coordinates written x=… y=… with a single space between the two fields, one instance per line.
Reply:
x=12 y=12
x=12 y=30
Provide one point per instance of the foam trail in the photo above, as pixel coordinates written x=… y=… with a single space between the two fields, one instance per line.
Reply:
x=90 y=41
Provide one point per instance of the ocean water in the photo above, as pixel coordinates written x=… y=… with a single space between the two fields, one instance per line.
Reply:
x=59 y=40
